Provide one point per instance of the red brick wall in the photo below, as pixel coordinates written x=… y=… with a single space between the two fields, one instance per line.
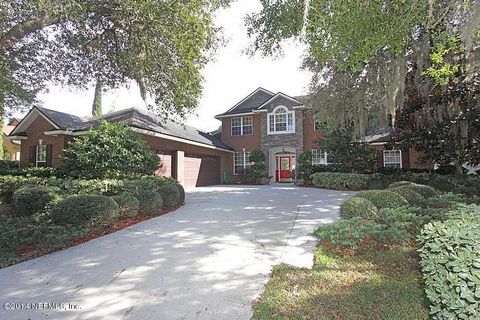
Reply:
x=310 y=135
x=249 y=142
x=34 y=133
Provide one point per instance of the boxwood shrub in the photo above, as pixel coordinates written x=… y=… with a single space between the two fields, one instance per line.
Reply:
x=170 y=195
x=128 y=204
x=383 y=198
x=33 y=199
x=414 y=198
x=150 y=201
x=450 y=262
x=85 y=210
x=340 y=181
x=358 y=207
x=425 y=191
x=181 y=190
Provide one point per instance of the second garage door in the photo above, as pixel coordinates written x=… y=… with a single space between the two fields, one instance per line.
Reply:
x=201 y=170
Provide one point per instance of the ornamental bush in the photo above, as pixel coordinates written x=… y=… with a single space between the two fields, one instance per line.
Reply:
x=10 y=184
x=414 y=198
x=181 y=190
x=109 y=151
x=34 y=199
x=450 y=262
x=150 y=201
x=425 y=191
x=128 y=204
x=340 y=181
x=358 y=207
x=170 y=195
x=84 y=210
x=383 y=198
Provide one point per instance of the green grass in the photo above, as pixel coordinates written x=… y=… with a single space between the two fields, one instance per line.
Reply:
x=374 y=285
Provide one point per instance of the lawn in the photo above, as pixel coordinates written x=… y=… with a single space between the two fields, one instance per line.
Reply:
x=370 y=285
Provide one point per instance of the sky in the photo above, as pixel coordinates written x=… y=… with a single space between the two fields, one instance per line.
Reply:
x=230 y=77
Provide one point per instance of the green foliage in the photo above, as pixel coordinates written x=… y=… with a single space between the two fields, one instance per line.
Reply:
x=423 y=190
x=181 y=190
x=450 y=262
x=112 y=150
x=350 y=233
x=358 y=207
x=85 y=210
x=170 y=195
x=354 y=156
x=407 y=219
x=383 y=198
x=258 y=170
x=151 y=202
x=445 y=200
x=30 y=200
x=91 y=186
x=305 y=168
x=10 y=184
x=128 y=204
x=414 y=198
x=340 y=181
x=441 y=70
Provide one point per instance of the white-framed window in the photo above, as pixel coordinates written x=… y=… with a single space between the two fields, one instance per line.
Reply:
x=242 y=126
x=41 y=160
x=280 y=120
x=319 y=157
x=241 y=162
x=392 y=158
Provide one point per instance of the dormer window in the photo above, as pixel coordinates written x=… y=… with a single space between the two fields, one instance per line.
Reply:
x=280 y=120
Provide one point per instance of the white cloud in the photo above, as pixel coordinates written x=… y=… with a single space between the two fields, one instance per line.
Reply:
x=228 y=79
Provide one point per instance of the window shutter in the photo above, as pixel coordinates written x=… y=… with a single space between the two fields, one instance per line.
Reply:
x=49 y=155
x=32 y=155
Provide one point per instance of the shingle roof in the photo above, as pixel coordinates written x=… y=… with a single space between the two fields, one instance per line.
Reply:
x=137 y=118
x=381 y=134
x=255 y=100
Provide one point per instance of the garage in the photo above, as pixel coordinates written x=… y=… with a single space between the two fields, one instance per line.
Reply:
x=201 y=170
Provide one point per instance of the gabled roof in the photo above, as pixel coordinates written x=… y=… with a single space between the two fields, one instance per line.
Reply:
x=280 y=95
x=249 y=103
x=133 y=117
x=378 y=135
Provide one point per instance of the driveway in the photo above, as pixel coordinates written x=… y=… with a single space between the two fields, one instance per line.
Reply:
x=208 y=260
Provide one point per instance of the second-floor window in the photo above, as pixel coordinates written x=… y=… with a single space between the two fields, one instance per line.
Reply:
x=242 y=126
x=319 y=157
x=281 y=121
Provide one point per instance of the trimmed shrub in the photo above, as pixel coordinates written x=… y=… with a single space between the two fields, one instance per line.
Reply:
x=181 y=190
x=358 y=207
x=30 y=200
x=450 y=262
x=414 y=198
x=383 y=198
x=159 y=181
x=150 y=202
x=106 y=187
x=128 y=204
x=399 y=184
x=425 y=191
x=340 y=181
x=445 y=201
x=84 y=210
x=170 y=195
x=10 y=184
x=139 y=185
x=407 y=219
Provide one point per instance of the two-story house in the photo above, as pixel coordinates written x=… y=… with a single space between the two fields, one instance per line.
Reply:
x=276 y=123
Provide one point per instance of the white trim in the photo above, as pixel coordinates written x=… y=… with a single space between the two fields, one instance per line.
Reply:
x=279 y=94
x=377 y=143
x=234 y=115
x=259 y=111
x=244 y=164
x=16 y=138
x=29 y=118
x=401 y=159
x=172 y=138
x=325 y=156
x=298 y=107
x=65 y=132
x=37 y=153
x=269 y=132
x=241 y=126
x=251 y=94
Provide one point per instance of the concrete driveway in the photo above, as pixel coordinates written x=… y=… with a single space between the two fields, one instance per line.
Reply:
x=208 y=260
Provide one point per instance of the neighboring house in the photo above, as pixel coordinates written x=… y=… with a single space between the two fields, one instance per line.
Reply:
x=11 y=148
x=276 y=123
x=193 y=157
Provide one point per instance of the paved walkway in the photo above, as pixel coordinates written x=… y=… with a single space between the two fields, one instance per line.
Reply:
x=208 y=260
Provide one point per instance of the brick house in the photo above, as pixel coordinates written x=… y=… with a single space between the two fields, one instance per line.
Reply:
x=276 y=123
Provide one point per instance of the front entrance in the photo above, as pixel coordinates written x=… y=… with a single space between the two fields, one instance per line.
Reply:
x=283 y=169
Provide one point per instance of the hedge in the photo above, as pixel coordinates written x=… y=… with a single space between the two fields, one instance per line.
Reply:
x=412 y=196
x=383 y=198
x=450 y=262
x=340 y=181
x=84 y=210
x=358 y=207
x=170 y=195
x=30 y=200
x=150 y=201
x=128 y=204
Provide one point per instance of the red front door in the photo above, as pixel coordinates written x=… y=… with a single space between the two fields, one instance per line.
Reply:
x=285 y=173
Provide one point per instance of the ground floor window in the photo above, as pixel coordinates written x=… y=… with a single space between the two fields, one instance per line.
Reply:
x=41 y=155
x=319 y=157
x=392 y=159
x=241 y=162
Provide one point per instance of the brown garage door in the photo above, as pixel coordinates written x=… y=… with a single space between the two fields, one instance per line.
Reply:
x=201 y=170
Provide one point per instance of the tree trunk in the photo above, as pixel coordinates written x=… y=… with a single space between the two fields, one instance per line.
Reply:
x=2 y=112
x=97 y=100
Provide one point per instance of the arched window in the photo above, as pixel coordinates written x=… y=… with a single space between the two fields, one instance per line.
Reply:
x=280 y=120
